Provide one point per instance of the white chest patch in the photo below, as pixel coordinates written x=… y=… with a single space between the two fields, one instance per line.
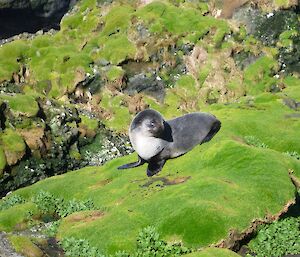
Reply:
x=147 y=147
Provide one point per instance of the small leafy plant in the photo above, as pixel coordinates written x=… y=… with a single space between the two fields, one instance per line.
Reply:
x=45 y=202
x=11 y=201
x=52 y=228
x=252 y=140
x=49 y=204
x=293 y=154
x=149 y=244
x=79 y=247
x=278 y=239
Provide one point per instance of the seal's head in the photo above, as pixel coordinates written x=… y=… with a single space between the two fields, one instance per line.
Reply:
x=148 y=122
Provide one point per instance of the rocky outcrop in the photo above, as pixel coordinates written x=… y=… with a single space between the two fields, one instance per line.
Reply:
x=51 y=141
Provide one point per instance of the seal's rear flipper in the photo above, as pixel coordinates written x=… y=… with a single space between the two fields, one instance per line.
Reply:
x=214 y=130
x=132 y=164
x=154 y=167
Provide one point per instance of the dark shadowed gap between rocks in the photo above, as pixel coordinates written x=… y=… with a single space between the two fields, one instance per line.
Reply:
x=15 y=21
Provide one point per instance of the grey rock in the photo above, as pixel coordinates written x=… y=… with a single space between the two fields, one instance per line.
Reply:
x=291 y=103
x=141 y=83
x=5 y=248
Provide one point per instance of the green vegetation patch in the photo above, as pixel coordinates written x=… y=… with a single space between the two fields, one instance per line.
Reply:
x=115 y=73
x=15 y=217
x=292 y=87
x=12 y=55
x=120 y=117
x=213 y=252
x=223 y=184
x=2 y=161
x=10 y=201
x=188 y=85
x=89 y=123
x=211 y=188
x=117 y=20
x=259 y=75
x=117 y=48
x=278 y=239
x=47 y=203
x=22 y=104
x=189 y=22
x=12 y=141
x=24 y=245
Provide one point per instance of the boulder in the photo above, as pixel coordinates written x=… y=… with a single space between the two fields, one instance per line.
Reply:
x=13 y=145
x=150 y=85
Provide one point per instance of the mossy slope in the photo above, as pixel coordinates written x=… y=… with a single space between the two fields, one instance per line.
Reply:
x=198 y=198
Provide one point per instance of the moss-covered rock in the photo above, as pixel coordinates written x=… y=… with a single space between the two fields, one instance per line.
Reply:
x=115 y=73
x=259 y=76
x=25 y=246
x=13 y=145
x=12 y=55
x=16 y=217
x=21 y=104
x=88 y=127
x=2 y=161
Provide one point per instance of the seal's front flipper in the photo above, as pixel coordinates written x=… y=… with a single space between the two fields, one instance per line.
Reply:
x=154 y=167
x=132 y=164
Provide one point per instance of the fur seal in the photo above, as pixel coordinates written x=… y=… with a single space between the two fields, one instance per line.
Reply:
x=156 y=140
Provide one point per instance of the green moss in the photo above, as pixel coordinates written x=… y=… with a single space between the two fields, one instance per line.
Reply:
x=258 y=76
x=14 y=217
x=89 y=123
x=120 y=114
x=41 y=41
x=24 y=245
x=87 y=4
x=213 y=252
x=70 y=22
x=285 y=38
x=117 y=20
x=117 y=48
x=186 y=81
x=283 y=3
x=218 y=176
x=188 y=84
x=181 y=21
x=292 y=87
x=22 y=104
x=56 y=66
x=114 y=73
x=2 y=161
x=11 y=55
x=75 y=154
x=203 y=73
x=12 y=141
